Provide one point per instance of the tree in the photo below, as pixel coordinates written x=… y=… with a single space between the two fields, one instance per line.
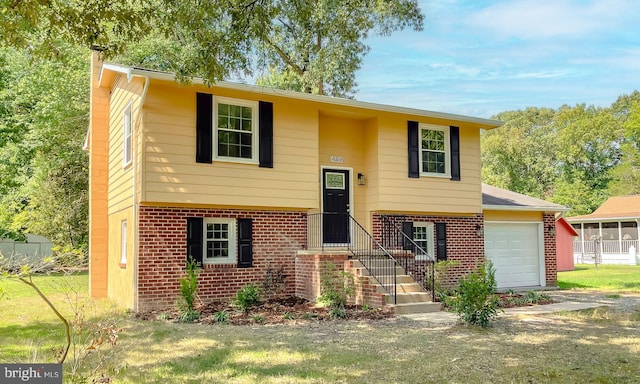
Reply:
x=313 y=46
x=318 y=45
x=43 y=170
x=625 y=177
x=520 y=156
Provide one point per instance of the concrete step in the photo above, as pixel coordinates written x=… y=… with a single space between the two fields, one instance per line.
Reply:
x=377 y=271
x=406 y=308
x=412 y=297
x=402 y=288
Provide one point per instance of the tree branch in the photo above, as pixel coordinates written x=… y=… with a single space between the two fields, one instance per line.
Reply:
x=283 y=55
x=67 y=329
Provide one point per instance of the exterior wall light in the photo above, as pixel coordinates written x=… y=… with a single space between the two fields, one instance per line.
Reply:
x=361 y=179
x=552 y=230
x=479 y=230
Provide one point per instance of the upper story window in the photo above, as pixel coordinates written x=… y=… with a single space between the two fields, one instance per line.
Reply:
x=435 y=153
x=127 y=146
x=236 y=130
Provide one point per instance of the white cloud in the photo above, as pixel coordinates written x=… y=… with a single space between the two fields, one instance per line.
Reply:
x=543 y=19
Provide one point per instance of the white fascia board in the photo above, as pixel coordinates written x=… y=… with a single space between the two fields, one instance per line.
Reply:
x=486 y=123
x=115 y=68
x=488 y=207
x=602 y=219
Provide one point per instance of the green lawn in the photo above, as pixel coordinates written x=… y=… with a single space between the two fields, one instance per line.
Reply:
x=613 y=278
x=594 y=346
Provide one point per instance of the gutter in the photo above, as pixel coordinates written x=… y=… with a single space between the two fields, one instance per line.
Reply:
x=136 y=203
x=531 y=208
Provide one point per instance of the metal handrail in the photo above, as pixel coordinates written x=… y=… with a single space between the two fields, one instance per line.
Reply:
x=400 y=239
x=378 y=262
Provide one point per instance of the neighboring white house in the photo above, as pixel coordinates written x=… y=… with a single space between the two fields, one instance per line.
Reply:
x=610 y=233
x=36 y=247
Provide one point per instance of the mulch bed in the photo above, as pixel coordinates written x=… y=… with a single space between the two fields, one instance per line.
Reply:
x=293 y=309
x=289 y=309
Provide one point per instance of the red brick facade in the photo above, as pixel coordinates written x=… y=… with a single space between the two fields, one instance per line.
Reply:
x=277 y=236
x=550 y=261
x=463 y=244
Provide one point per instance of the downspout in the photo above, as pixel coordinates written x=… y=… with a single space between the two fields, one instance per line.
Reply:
x=136 y=203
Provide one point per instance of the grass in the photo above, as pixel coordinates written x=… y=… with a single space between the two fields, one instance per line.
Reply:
x=610 y=278
x=596 y=346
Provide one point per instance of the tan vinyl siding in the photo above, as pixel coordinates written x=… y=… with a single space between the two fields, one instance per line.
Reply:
x=121 y=278
x=343 y=137
x=513 y=216
x=398 y=192
x=123 y=94
x=170 y=147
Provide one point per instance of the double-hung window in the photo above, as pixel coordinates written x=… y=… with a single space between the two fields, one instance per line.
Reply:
x=435 y=153
x=423 y=237
x=127 y=145
x=236 y=130
x=219 y=241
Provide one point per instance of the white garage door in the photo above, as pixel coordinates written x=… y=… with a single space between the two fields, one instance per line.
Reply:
x=514 y=249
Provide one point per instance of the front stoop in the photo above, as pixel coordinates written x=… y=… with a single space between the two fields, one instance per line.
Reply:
x=410 y=297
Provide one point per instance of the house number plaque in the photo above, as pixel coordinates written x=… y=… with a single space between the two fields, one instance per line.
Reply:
x=337 y=159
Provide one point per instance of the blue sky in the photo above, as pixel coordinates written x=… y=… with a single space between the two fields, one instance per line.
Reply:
x=483 y=57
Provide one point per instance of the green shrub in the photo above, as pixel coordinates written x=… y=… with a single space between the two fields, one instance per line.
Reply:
x=335 y=287
x=288 y=316
x=221 y=317
x=247 y=297
x=188 y=289
x=258 y=319
x=475 y=301
x=338 y=313
x=189 y=316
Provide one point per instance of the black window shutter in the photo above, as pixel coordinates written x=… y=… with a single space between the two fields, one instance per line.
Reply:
x=414 y=152
x=204 y=127
x=194 y=239
x=441 y=241
x=245 y=243
x=407 y=229
x=454 y=139
x=265 y=147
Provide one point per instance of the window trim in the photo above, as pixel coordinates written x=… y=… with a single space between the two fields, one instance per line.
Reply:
x=447 y=149
x=430 y=239
x=255 y=129
x=127 y=140
x=123 y=243
x=232 y=241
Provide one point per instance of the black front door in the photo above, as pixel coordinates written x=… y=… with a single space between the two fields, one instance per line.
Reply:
x=335 y=203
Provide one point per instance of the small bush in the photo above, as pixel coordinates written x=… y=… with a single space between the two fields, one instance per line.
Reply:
x=188 y=289
x=189 y=316
x=335 y=287
x=475 y=301
x=221 y=317
x=247 y=297
x=289 y=316
x=258 y=319
x=338 y=313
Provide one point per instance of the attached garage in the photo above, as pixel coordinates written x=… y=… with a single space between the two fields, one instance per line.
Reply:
x=517 y=254
x=519 y=238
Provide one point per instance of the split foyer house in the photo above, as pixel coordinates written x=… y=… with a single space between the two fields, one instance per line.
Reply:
x=246 y=178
